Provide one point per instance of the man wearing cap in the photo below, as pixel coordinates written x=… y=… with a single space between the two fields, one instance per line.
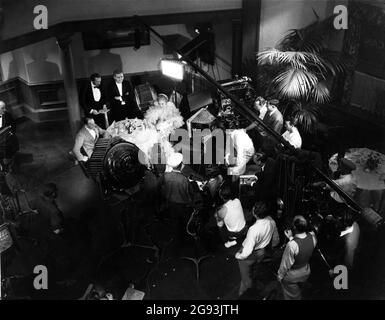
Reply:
x=177 y=194
x=294 y=269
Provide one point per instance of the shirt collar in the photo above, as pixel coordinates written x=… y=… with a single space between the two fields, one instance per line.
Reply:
x=90 y=130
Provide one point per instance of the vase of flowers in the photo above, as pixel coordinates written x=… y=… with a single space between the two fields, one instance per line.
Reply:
x=372 y=162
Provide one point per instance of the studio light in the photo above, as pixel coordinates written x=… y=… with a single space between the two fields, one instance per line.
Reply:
x=172 y=68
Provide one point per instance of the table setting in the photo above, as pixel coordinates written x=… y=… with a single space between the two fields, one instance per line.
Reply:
x=370 y=176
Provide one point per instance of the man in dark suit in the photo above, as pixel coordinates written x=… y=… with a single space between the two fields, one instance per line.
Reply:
x=266 y=187
x=6 y=118
x=93 y=100
x=121 y=98
x=274 y=119
x=177 y=195
x=9 y=144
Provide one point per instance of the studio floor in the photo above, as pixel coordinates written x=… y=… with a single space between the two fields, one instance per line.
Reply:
x=93 y=226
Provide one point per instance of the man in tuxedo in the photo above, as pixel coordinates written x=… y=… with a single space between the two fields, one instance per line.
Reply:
x=9 y=144
x=93 y=100
x=6 y=118
x=121 y=98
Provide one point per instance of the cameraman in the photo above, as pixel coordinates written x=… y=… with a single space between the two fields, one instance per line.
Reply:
x=295 y=269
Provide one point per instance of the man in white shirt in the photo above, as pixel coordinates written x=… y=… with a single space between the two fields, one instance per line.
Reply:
x=294 y=268
x=292 y=134
x=121 y=98
x=230 y=217
x=243 y=146
x=259 y=236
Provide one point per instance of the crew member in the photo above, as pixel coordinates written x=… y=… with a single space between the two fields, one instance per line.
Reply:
x=295 y=269
x=230 y=217
x=9 y=145
x=259 y=236
x=292 y=134
x=177 y=195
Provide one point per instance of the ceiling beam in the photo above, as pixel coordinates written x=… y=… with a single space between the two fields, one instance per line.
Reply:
x=116 y=23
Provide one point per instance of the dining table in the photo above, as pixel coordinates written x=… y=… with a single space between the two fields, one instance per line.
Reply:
x=145 y=136
x=370 y=177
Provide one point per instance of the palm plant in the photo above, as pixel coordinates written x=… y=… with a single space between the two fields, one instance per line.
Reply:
x=300 y=68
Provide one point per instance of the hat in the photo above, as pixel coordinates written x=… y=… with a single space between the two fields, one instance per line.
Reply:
x=347 y=165
x=175 y=159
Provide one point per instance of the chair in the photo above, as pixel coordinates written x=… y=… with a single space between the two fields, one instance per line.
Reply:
x=81 y=164
x=133 y=294
x=145 y=96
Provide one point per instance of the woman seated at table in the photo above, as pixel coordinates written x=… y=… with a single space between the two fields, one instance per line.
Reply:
x=164 y=116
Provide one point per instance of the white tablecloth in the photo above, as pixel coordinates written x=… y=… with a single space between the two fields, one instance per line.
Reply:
x=370 y=183
x=144 y=136
x=367 y=180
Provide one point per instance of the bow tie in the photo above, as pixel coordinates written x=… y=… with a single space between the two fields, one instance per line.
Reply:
x=96 y=87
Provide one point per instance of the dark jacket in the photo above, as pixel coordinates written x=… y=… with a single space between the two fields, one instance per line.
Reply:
x=176 y=188
x=274 y=121
x=9 y=143
x=87 y=100
x=267 y=181
x=88 y=103
x=119 y=111
x=7 y=120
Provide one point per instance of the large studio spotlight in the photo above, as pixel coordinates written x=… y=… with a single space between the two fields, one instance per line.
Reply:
x=172 y=68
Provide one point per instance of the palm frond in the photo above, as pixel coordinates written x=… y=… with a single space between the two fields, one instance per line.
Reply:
x=335 y=63
x=297 y=59
x=295 y=83
x=307 y=117
x=320 y=92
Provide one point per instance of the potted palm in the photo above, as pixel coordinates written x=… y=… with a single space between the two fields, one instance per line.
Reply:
x=299 y=71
